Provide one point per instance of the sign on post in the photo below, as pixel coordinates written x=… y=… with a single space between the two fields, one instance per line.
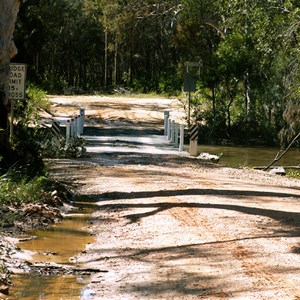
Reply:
x=17 y=81
x=189 y=84
x=189 y=64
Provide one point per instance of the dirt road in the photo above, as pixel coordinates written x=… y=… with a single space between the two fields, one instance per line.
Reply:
x=168 y=226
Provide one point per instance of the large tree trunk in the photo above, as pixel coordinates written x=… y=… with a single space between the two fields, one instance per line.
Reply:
x=8 y=14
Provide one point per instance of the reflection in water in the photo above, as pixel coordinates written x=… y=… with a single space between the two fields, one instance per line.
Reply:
x=251 y=156
x=55 y=244
x=60 y=242
x=47 y=287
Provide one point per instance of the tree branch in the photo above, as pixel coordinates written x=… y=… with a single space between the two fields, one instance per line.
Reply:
x=280 y=154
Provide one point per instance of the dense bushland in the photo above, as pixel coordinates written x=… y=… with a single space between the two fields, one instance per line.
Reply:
x=248 y=53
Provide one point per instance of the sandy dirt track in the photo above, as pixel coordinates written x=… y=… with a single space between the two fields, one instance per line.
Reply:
x=169 y=226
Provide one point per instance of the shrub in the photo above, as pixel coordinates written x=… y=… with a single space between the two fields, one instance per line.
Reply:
x=56 y=147
x=16 y=191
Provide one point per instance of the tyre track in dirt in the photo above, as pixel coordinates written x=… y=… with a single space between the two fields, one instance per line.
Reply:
x=253 y=267
x=172 y=227
x=200 y=224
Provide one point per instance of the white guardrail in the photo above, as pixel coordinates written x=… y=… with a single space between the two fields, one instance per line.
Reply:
x=74 y=126
x=173 y=131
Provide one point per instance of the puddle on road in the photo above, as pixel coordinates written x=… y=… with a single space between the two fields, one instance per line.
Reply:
x=59 y=242
x=48 y=288
x=56 y=244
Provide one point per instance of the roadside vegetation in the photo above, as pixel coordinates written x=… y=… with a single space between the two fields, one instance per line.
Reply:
x=23 y=174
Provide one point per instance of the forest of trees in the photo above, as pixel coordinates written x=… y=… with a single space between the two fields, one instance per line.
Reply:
x=248 y=83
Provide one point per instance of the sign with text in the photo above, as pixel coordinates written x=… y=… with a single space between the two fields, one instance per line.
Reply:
x=17 y=81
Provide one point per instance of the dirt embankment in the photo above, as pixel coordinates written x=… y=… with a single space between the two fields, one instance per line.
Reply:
x=173 y=227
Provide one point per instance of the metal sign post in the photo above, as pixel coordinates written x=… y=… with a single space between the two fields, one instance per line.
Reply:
x=17 y=82
x=189 y=85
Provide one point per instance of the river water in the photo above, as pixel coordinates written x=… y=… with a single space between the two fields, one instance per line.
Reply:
x=234 y=156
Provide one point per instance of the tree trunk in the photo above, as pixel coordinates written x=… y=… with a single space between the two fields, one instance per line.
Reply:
x=247 y=93
x=105 y=52
x=115 y=63
x=8 y=14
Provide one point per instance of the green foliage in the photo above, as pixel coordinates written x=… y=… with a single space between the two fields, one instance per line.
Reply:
x=15 y=190
x=28 y=111
x=249 y=52
x=169 y=83
x=28 y=135
x=37 y=96
x=75 y=148
x=56 y=147
x=293 y=173
x=26 y=144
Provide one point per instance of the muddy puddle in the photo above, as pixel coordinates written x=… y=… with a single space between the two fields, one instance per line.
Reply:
x=49 y=288
x=57 y=244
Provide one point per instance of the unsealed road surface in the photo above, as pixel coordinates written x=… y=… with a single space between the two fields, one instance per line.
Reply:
x=168 y=226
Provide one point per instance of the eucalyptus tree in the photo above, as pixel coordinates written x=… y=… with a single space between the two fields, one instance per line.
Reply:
x=137 y=36
x=154 y=56
x=248 y=51
x=291 y=76
x=243 y=65
x=58 y=42
x=8 y=14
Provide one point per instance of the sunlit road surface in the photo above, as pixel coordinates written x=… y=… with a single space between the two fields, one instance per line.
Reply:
x=131 y=140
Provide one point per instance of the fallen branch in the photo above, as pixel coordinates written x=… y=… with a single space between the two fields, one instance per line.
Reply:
x=280 y=153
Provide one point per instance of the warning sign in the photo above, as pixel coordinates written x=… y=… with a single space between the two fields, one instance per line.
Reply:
x=17 y=81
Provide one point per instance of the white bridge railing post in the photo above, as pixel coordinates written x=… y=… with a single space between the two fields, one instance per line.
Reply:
x=173 y=131
x=68 y=131
x=176 y=135
x=166 y=124
x=181 y=143
x=78 y=128
x=169 y=129
x=72 y=127
x=82 y=117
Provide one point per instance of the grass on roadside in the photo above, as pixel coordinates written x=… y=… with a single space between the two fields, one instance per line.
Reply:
x=18 y=194
x=24 y=191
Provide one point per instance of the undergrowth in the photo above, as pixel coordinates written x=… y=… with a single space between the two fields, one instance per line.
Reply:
x=23 y=178
x=15 y=191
